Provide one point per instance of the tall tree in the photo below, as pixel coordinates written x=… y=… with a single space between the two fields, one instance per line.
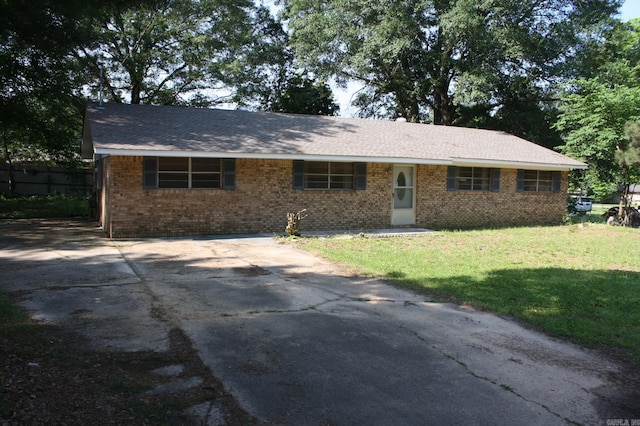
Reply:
x=39 y=112
x=271 y=81
x=179 y=52
x=427 y=60
x=596 y=113
x=593 y=120
x=629 y=158
x=267 y=62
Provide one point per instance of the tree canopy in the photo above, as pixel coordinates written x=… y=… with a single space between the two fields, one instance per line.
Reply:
x=40 y=113
x=303 y=95
x=178 y=52
x=446 y=61
x=270 y=80
x=598 y=114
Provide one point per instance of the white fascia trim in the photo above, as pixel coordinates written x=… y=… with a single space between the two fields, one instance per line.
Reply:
x=462 y=162
x=527 y=165
x=271 y=156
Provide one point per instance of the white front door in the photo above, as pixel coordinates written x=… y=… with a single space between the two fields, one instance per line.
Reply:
x=403 y=209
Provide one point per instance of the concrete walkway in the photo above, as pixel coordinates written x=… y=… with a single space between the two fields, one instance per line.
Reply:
x=298 y=341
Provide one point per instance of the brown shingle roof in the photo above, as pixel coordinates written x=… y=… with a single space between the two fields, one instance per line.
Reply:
x=160 y=130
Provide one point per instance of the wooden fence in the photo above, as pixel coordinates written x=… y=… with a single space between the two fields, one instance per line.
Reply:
x=43 y=180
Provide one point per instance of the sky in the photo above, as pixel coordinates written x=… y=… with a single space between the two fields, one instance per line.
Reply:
x=630 y=9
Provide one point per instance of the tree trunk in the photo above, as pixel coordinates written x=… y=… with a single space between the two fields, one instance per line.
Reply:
x=7 y=153
x=624 y=202
x=622 y=210
x=135 y=94
x=442 y=106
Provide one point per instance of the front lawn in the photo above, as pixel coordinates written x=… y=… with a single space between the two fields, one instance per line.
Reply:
x=580 y=282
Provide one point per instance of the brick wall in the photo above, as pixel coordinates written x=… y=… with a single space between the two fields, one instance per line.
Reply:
x=264 y=194
x=438 y=208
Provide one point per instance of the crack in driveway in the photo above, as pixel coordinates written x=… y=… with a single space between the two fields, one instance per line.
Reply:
x=371 y=353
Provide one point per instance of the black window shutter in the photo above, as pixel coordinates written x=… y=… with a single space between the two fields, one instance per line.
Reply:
x=361 y=176
x=451 y=178
x=520 y=181
x=557 y=181
x=298 y=174
x=150 y=167
x=495 y=174
x=229 y=171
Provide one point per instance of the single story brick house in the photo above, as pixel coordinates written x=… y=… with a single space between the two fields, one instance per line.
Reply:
x=169 y=171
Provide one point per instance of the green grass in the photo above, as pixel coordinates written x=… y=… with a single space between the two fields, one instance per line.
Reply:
x=43 y=206
x=594 y=216
x=580 y=282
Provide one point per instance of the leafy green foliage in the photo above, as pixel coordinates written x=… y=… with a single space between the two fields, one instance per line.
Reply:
x=304 y=96
x=523 y=112
x=271 y=81
x=169 y=52
x=38 y=117
x=594 y=118
x=201 y=53
x=43 y=206
x=596 y=112
x=40 y=112
x=449 y=62
x=630 y=155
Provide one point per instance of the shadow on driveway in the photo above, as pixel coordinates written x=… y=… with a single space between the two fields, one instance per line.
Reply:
x=298 y=341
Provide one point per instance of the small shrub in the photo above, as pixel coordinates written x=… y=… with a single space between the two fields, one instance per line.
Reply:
x=293 y=222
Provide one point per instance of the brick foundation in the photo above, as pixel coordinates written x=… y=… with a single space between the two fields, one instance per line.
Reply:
x=263 y=195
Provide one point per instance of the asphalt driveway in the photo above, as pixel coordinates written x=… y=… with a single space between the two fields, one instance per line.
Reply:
x=298 y=341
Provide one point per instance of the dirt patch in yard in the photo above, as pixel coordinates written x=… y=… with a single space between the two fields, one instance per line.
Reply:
x=49 y=377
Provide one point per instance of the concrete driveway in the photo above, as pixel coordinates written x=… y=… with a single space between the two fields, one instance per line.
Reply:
x=298 y=341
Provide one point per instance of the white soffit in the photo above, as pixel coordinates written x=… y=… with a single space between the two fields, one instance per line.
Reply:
x=460 y=162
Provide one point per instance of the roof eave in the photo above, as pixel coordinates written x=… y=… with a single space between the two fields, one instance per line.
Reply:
x=270 y=156
x=462 y=162
x=526 y=165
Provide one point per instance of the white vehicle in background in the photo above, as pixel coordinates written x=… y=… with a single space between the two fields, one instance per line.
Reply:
x=579 y=204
